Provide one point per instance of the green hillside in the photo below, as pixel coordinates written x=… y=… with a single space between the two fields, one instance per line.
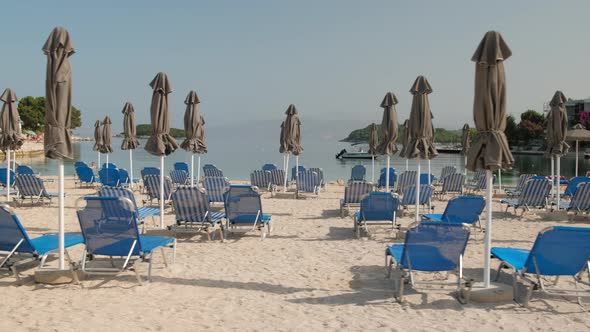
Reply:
x=146 y=130
x=441 y=135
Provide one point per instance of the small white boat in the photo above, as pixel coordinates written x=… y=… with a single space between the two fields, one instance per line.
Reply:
x=343 y=154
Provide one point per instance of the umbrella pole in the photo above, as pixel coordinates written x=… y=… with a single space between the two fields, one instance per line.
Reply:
x=406 y=165
x=557 y=180
x=552 y=178
x=387 y=175
x=107 y=160
x=418 y=190
x=576 y=158
x=8 y=175
x=192 y=169
x=372 y=168
x=131 y=169
x=162 y=198
x=488 y=232
x=429 y=177
x=61 y=200
x=465 y=166
x=198 y=167
x=500 y=178
x=297 y=167
x=98 y=167
x=14 y=162
x=286 y=170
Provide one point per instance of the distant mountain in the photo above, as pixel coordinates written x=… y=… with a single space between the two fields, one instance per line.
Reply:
x=146 y=130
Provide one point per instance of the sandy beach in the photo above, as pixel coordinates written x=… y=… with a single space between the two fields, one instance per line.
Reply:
x=310 y=274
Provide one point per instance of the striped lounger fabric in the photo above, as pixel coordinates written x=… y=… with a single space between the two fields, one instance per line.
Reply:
x=179 y=177
x=143 y=212
x=308 y=182
x=193 y=213
x=215 y=188
x=534 y=195
x=260 y=179
x=407 y=178
x=32 y=186
x=152 y=187
x=353 y=194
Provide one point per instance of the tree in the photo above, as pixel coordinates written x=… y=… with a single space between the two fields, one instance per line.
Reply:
x=32 y=113
x=511 y=130
x=531 y=126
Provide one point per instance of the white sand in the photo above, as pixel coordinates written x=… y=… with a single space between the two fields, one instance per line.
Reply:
x=309 y=275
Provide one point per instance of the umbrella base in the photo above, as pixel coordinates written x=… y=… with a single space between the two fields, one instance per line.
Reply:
x=496 y=293
x=58 y=277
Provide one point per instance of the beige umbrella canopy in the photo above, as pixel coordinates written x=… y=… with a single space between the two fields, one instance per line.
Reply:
x=98 y=132
x=130 y=141
x=58 y=95
x=194 y=126
x=373 y=139
x=490 y=148
x=11 y=137
x=420 y=130
x=160 y=143
x=107 y=133
x=283 y=144
x=465 y=143
x=557 y=126
x=292 y=131
x=389 y=130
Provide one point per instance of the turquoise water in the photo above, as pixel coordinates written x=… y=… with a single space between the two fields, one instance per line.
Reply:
x=237 y=160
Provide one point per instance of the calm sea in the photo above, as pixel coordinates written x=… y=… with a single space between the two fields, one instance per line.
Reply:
x=238 y=152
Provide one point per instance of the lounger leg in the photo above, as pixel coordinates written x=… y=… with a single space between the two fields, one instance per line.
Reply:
x=498 y=272
x=16 y=275
x=164 y=256
x=151 y=259
x=173 y=252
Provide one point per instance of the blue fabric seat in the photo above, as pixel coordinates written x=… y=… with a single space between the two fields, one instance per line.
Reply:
x=181 y=166
x=557 y=251
x=357 y=173
x=109 y=177
x=179 y=177
x=21 y=249
x=32 y=186
x=143 y=212
x=269 y=167
x=383 y=178
x=212 y=171
x=572 y=186
x=460 y=210
x=215 y=188
x=376 y=208
x=580 y=201
x=428 y=247
x=534 y=195
x=85 y=175
x=243 y=211
x=109 y=227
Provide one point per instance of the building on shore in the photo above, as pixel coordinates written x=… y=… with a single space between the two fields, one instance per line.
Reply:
x=578 y=111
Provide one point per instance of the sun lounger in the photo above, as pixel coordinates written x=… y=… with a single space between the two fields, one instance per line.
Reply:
x=143 y=212
x=193 y=213
x=357 y=173
x=377 y=208
x=243 y=211
x=32 y=186
x=534 y=195
x=215 y=188
x=557 y=251
x=353 y=193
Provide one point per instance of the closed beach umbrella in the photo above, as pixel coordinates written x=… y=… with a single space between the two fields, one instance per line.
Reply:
x=389 y=132
x=489 y=150
x=292 y=139
x=58 y=104
x=160 y=143
x=405 y=141
x=11 y=137
x=98 y=141
x=556 y=135
x=465 y=144
x=420 y=131
x=107 y=133
x=194 y=128
x=578 y=134
x=373 y=143
x=130 y=141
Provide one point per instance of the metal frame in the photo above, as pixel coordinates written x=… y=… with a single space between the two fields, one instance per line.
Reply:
x=263 y=226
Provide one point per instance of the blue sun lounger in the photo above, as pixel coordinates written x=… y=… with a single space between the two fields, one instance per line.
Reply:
x=85 y=176
x=109 y=227
x=152 y=188
x=193 y=213
x=109 y=177
x=20 y=249
x=534 y=195
x=557 y=251
x=377 y=208
x=143 y=212
x=353 y=193
x=243 y=211
x=452 y=183
x=212 y=171
x=460 y=210
x=215 y=188
x=428 y=247
x=522 y=180
x=32 y=186
x=580 y=201
x=179 y=177
x=181 y=166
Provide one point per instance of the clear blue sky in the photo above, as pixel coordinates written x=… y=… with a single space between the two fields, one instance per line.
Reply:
x=332 y=59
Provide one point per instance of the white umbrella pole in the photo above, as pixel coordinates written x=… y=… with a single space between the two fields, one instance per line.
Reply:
x=8 y=175
x=488 y=232
x=500 y=178
x=162 y=198
x=98 y=166
x=429 y=172
x=372 y=169
x=297 y=168
x=387 y=174
x=418 y=190
x=286 y=171
x=192 y=169
x=406 y=165
x=107 y=160
x=576 y=158
x=198 y=167
x=131 y=169
x=14 y=162
x=557 y=180
x=61 y=217
x=552 y=178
